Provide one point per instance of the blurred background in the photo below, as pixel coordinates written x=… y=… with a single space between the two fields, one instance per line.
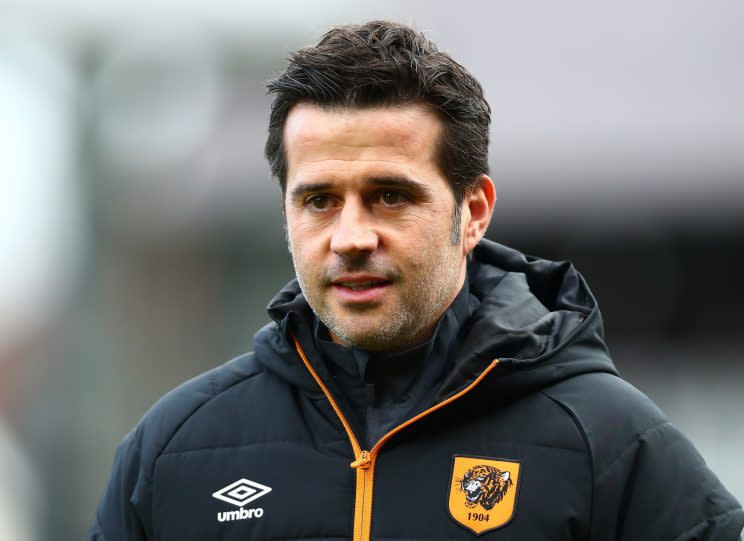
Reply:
x=141 y=234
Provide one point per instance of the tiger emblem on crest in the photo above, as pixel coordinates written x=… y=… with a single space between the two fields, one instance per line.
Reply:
x=485 y=486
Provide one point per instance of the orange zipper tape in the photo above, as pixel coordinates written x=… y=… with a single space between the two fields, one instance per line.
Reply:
x=364 y=461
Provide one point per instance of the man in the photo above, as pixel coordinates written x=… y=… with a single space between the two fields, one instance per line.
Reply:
x=416 y=382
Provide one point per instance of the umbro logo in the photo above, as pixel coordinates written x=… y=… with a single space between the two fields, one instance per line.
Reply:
x=239 y=494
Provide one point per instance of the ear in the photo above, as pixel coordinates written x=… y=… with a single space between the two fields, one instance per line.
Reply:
x=478 y=203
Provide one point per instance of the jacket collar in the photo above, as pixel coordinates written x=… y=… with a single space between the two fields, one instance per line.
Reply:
x=532 y=314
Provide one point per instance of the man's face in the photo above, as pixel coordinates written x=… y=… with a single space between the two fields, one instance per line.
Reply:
x=369 y=222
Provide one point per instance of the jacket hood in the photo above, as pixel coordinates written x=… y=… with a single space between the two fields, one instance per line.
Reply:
x=536 y=316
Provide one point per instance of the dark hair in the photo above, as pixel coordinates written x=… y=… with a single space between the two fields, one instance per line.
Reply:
x=383 y=63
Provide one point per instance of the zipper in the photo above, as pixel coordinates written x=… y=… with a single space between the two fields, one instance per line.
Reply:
x=364 y=461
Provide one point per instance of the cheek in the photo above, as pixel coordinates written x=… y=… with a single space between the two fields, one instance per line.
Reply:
x=301 y=256
x=432 y=255
x=304 y=243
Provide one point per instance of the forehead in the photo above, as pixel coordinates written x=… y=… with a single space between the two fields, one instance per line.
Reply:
x=329 y=140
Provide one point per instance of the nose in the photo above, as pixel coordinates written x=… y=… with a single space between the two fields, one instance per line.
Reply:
x=354 y=232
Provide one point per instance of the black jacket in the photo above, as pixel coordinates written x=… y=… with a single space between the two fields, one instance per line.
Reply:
x=531 y=435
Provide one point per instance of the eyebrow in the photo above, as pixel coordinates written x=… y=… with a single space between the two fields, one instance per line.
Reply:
x=417 y=188
x=306 y=188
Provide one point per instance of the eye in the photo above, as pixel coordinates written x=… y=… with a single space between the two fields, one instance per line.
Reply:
x=392 y=198
x=318 y=202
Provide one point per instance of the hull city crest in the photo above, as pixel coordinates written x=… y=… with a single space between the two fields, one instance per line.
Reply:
x=483 y=492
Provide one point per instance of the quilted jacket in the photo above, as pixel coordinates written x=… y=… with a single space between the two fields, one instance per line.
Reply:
x=531 y=435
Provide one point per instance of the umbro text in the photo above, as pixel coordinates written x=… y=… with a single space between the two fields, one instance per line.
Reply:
x=242 y=514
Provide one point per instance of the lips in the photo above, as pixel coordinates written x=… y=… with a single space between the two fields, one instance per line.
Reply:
x=360 y=288
x=359 y=280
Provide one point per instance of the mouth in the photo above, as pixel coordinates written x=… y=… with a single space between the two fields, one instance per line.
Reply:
x=358 y=286
x=473 y=496
x=360 y=289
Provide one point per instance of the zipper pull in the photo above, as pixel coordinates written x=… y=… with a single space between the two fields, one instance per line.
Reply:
x=363 y=462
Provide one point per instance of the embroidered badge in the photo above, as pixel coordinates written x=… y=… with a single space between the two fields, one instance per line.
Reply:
x=483 y=492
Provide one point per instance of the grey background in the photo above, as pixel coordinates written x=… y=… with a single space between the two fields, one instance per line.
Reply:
x=142 y=235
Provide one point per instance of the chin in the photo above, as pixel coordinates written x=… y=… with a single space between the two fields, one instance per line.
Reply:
x=365 y=331
x=358 y=338
x=378 y=341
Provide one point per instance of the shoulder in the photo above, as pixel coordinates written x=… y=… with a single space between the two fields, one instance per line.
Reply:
x=611 y=414
x=649 y=481
x=157 y=428
x=124 y=511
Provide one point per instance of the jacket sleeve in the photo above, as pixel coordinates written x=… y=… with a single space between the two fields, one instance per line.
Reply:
x=658 y=488
x=119 y=515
